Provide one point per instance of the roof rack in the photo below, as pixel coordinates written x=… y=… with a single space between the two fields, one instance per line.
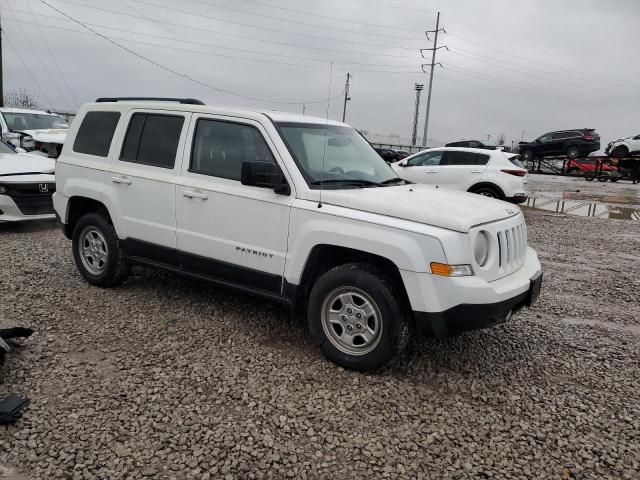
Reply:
x=188 y=101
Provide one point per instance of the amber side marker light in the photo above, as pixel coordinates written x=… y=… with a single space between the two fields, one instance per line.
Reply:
x=445 y=270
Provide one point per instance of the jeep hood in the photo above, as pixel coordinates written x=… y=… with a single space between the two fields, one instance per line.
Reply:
x=53 y=135
x=450 y=209
x=23 y=164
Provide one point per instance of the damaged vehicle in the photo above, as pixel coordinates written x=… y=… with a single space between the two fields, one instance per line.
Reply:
x=27 y=184
x=38 y=132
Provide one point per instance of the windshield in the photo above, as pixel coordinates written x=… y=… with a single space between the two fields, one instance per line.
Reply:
x=338 y=155
x=33 y=121
x=4 y=148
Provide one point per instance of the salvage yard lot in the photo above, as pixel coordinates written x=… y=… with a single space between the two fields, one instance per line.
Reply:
x=167 y=378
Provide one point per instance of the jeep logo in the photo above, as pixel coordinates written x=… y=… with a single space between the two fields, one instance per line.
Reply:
x=43 y=187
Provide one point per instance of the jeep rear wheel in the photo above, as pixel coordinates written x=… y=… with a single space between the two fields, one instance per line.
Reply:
x=97 y=252
x=573 y=152
x=360 y=321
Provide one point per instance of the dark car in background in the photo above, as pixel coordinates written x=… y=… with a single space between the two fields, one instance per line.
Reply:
x=477 y=144
x=572 y=143
x=391 y=156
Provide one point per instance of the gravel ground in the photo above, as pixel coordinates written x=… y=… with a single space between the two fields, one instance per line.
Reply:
x=170 y=379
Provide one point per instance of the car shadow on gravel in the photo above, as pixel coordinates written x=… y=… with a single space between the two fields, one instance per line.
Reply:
x=28 y=227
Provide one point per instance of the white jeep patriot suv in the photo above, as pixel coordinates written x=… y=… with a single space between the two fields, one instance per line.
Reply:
x=297 y=209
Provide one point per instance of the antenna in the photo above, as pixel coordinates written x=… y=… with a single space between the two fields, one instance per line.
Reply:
x=326 y=126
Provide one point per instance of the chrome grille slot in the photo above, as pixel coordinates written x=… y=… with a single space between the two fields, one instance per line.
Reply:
x=512 y=247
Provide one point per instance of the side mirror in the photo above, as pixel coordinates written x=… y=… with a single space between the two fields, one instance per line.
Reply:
x=402 y=163
x=264 y=175
x=20 y=150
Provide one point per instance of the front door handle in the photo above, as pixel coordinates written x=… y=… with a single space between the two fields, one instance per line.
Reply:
x=123 y=180
x=477 y=171
x=431 y=171
x=195 y=194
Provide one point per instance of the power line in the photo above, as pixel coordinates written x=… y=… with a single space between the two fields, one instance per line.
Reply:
x=183 y=75
x=33 y=78
x=226 y=34
x=204 y=44
x=298 y=23
x=53 y=57
x=43 y=65
x=377 y=25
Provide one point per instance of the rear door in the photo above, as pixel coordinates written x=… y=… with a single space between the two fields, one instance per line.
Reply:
x=422 y=168
x=462 y=169
x=143 y=182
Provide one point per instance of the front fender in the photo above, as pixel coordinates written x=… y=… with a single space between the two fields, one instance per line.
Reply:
x=311 y=226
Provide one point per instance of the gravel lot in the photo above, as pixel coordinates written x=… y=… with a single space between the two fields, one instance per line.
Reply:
x=166 y=378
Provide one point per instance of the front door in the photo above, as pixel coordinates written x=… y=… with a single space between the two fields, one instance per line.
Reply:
x=422 y=168
x=143 y=182
x=227 y=231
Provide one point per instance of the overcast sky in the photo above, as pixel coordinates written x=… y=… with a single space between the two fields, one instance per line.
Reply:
x=531 y=66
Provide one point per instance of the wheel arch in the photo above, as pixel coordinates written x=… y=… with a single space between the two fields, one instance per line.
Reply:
x=491 y=185
x=324 y=257
x=77 y=207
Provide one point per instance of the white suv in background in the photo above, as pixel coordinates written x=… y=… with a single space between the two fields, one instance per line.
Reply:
x=296 y=209
x=492 y=173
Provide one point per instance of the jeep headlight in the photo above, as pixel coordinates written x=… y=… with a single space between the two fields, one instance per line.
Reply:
x=481 y=248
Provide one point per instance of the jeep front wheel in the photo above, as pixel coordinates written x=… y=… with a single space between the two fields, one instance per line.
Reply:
x=358 y=318
x=97 y=252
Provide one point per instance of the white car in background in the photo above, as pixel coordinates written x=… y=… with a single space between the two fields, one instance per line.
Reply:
x=492 y=173
x=27 y=184
x=41 y=133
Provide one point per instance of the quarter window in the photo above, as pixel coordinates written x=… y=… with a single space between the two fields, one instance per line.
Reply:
x=95 y=133
x=152 y=139
x=219 y=148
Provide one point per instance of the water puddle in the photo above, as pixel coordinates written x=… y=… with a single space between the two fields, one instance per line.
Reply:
x=585 y=207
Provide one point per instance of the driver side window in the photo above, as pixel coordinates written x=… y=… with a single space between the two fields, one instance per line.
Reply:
x=429 y=159
x=545 y=138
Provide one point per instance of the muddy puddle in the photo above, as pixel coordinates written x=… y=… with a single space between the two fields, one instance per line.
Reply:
x=618 y=207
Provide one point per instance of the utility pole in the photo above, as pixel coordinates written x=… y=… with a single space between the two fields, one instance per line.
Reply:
x=304 y=108
x=433 y=66
x=346 y=97
x=414 y=136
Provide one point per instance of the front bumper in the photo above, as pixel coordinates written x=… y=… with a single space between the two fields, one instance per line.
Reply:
x=466 y=317
x=9 y=212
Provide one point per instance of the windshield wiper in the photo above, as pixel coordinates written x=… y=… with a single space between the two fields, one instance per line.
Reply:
x=394 y=180
x=348 y=181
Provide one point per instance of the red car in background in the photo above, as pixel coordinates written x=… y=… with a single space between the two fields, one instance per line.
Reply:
x=588 y=167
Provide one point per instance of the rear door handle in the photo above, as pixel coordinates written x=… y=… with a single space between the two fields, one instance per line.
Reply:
x=123 y=180
x=195 y=194
x=477 y=171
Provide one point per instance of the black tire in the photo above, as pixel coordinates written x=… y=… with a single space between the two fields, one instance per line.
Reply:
x=589 y=176
x=488 y=191
x=573 y=152
x=603 y=178
x=527 y=155
x=614 y=180
x=393 y=322
x=115 y=267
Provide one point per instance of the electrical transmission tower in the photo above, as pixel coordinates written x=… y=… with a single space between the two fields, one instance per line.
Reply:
x=432 y=66
x=414 y=136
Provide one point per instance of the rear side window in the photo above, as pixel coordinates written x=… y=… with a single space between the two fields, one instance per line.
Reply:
x=152 y=139
x=465 y=158
x=428 y=159
x=219 y=148
x=95 y=133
